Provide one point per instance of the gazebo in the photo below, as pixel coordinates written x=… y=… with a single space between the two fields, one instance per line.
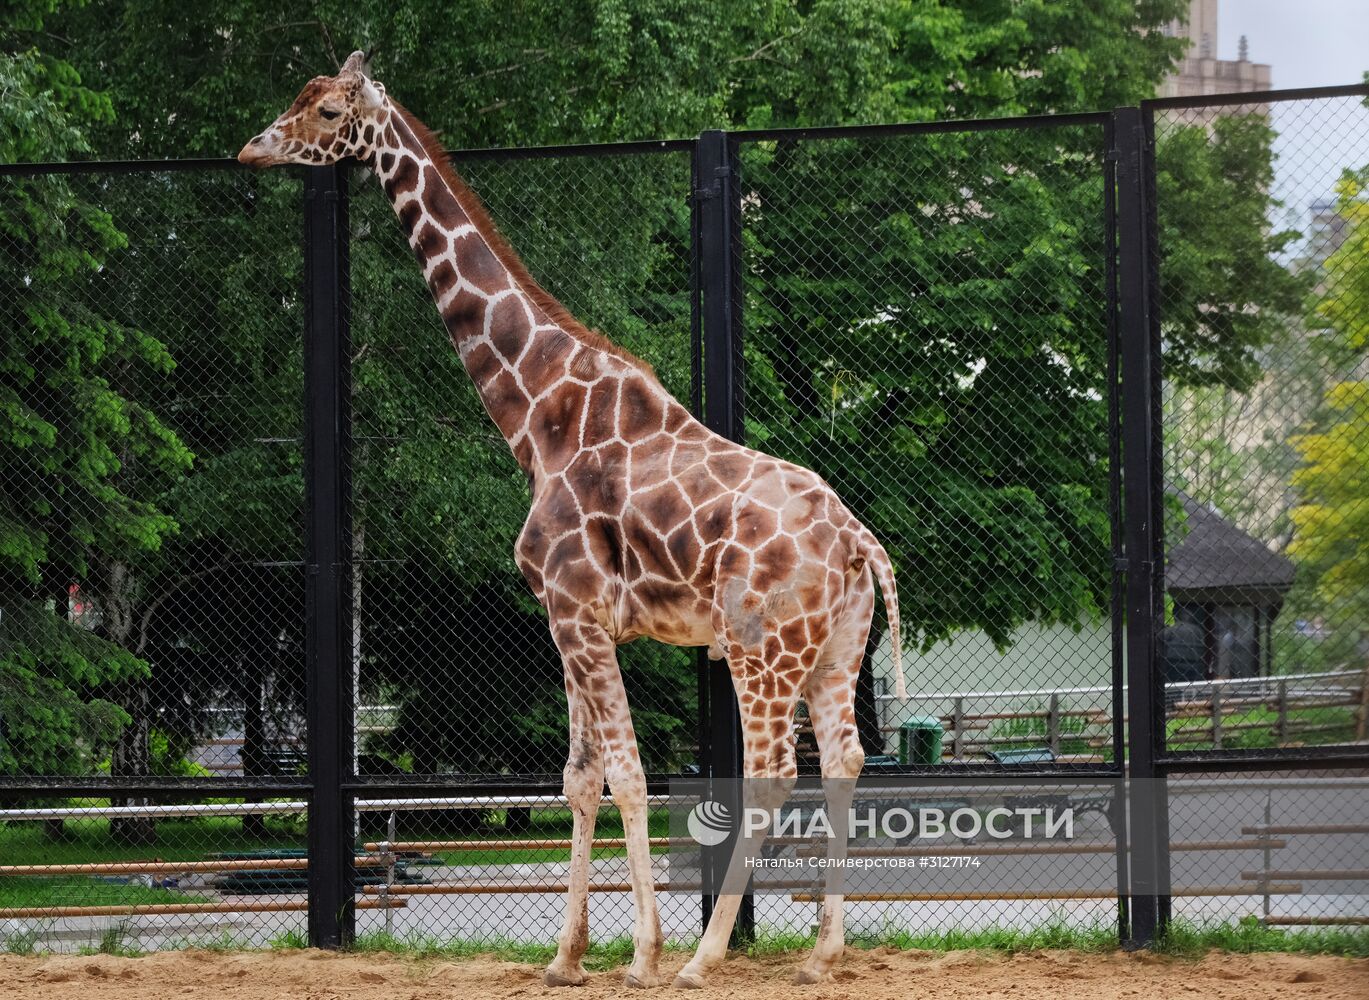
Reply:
x=1227 y=588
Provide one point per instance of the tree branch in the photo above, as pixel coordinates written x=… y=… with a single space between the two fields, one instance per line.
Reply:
x=167 y=593
x=762 y=52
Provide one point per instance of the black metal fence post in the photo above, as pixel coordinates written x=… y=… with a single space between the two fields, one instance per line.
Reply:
x=328 y=517
x=1156 y=686
x=1149 y=851
x=1119 y=818
x=717 y=202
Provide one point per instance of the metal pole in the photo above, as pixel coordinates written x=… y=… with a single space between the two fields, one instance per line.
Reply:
x=1118 y=816
x=717 y=203
x=1149 y=856
x=328 y=594
x=1159 y=700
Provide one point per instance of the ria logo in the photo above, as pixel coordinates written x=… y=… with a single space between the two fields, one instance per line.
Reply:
x=709 y=823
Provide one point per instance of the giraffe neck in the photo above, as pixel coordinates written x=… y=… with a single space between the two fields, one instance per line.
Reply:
x=513 y=338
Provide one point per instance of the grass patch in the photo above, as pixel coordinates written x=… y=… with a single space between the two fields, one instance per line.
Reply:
x=20 y=942
x=1335 y=724
x=85 y=840
x=81 y=890
x=1250 y=936
x=1077 y=733
x=1094 y=939
x=112 y=941
x=1184 y=940
x=290 y=941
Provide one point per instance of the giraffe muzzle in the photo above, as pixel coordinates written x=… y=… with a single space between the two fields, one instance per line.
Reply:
x=259 y=152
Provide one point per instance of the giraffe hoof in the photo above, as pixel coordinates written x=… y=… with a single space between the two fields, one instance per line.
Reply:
x=807 y=977
x=556 y=979
x=687 y=980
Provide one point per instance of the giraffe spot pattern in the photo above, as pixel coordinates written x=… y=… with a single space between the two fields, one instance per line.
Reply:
x=642 y=522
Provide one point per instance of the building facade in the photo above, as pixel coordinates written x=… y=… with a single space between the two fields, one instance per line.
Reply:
x=1201 y=71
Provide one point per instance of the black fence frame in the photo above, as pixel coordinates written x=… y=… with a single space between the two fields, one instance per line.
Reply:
x=717 y=397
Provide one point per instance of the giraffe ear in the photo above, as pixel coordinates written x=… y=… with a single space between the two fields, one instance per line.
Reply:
x=371 y=94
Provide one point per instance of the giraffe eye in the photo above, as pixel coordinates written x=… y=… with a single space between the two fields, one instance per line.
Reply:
x=328 y=114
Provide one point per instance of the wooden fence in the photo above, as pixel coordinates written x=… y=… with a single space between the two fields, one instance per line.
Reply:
x=1073 y=723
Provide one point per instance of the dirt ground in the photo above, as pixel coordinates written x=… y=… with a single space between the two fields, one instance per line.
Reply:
x=883 y=974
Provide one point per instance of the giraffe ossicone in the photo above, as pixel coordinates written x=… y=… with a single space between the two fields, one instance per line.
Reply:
x=642 y=522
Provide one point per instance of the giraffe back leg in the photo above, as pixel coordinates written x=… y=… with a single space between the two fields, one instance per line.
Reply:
x=830 y=692
x=766 y=679
x=603 y=746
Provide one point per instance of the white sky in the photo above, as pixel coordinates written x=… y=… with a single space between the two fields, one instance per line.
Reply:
x=1307 y=43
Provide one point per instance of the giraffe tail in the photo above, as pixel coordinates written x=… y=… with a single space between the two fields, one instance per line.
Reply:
x=883 y=569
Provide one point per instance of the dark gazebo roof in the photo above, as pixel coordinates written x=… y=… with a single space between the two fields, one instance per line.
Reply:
x=1217 y=561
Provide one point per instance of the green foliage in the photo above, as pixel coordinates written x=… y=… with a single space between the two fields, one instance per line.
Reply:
x=77 y=890
x=70 y=431
x=47 y=668
x=925 y=322
x=1235 y=346
x=1226 y=295
x=931 y=343
x=1331 y=519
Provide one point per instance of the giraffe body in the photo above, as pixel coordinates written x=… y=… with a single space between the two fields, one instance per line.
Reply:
x=642 y=523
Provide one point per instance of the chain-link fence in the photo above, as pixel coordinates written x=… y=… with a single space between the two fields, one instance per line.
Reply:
x=934 y=318
x=1263 y=285
x=153 y=615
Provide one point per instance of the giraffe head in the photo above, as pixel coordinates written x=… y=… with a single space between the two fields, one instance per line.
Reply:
x=333 y=117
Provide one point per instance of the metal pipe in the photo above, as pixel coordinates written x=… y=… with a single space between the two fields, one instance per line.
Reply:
x=159 y=909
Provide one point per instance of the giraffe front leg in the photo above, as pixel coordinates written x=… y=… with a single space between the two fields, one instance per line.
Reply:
x=627 y=784
x=584 y=787
x=603 y=724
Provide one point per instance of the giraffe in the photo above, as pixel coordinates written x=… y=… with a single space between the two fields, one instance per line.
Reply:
x=642 y=523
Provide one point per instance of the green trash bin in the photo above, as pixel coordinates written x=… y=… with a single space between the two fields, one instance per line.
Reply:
x=919 y=740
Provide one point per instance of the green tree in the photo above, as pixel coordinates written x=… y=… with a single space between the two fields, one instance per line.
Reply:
x=438 y=497
x=70 y=432
x=925 y=315
x=1238 y=376
x=1331 y=519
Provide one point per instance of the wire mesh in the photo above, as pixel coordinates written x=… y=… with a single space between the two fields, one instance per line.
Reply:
x=459 y=680
x=1290 y=848
x=1263 y=256
x=150 y=465
x=926 y=325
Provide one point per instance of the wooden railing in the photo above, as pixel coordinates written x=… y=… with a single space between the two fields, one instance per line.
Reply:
x=1211 y=712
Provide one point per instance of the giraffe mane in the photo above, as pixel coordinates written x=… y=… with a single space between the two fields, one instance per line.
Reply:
x=480 y=218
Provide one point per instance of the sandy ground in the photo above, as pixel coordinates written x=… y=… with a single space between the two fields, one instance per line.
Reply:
x=883 y=974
